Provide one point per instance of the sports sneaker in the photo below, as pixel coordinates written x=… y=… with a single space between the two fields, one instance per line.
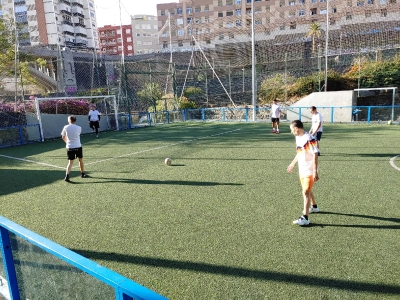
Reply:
x=84 y=175
x=313 y=209
x=277 y=132
x=67 y=179
x=301 y=221
x=273 y=131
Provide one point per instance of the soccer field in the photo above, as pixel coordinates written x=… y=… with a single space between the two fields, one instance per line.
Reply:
x=217 y=223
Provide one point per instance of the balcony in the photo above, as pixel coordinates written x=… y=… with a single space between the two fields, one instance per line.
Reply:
x=67 y=27
x=79 y=29
x=76 y=10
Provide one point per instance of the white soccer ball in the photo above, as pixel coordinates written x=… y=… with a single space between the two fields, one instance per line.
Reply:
x=390 y=122
x=168 y=161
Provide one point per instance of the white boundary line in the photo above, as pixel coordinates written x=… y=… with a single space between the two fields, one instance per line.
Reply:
x=161 y=147
x=32 y=161
x=125 y=155
x=393 y=164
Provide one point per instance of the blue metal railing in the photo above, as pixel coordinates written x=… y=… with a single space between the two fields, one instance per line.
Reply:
x=125 y=289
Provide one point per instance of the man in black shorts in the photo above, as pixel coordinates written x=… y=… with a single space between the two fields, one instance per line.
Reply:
x=71 y=135
x=94 y=119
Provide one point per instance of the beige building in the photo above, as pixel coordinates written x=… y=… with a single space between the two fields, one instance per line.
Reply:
x=213 y=22
x=145 y=34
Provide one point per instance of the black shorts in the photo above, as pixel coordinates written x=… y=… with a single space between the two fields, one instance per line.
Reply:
x=318 y=135
x=73 y=153
x=94 y=124
x=275 y=120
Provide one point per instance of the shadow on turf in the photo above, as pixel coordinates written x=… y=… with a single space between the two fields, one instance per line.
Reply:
x=395 y=220
x=175 y=182
x=242 y=272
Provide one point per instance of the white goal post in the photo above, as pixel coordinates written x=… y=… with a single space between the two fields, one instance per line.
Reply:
x=52 y=113
x=394 y=89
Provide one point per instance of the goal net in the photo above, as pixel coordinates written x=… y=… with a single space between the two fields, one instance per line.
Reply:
x=52 y=113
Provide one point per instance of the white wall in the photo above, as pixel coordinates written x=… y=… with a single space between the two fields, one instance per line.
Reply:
x=323 y=101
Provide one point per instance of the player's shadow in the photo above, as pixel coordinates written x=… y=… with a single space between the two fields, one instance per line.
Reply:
x=395 y=220
x=171 y=182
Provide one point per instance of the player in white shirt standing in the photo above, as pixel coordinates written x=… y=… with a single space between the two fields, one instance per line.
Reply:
x=94 y=119
x=71 y=135
x=275 y=116
x=307 y=159
x=316 y=125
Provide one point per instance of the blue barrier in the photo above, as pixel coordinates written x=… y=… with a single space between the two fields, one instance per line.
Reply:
x=23 y=249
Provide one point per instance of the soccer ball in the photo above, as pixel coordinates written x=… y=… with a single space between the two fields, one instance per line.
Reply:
x=390 y=122
x=168 y=161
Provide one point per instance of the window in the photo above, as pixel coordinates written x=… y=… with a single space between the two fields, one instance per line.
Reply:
x=248 y=11
x=163 y=12
x=292 y=14
x=360 y=3
x=258 y=22
x=238 y=2
x=220 y=3
x=229 y=2
x=382 y=1
x=282 y=14
x=313 y=11
x=370 y=1
x=332 y=21
x=349 y=16
x=206 y=19
x=208 y=41
x=267 y=8
x=238 y=23
x=130 y=47
x=229 y=25
x=302 y=12
x=292 y=3
x=220 y=14
x=282 y=3
x=349 y=3
x=129 y=39
x=119 y=40
x=231 y=36
x=197 y=9
x=313 y=1
x=221 y=37
x=127 y=31
x=165 y=45
x=301 y=2
x=179 y=21
x=197 y=20
x=189 y=20
x=282 y=27
x=180 y=32
x=292 y=25
x=322 y=11
x=238 y=12
x=179 y=11
x=334 y=10
x=172 y=11
x=367 y=13
x=384 y=12
x=229 y=13
x=180 y=43
x=189 y=10
x=258 y=10
x=206 y=8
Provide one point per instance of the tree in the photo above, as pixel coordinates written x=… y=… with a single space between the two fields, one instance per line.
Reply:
x=314 y=31
x=149 y=95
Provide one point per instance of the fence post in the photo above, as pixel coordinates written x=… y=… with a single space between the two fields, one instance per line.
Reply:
x=129 y=121
x=203 y=115
x=8 y=262
x=332 y=114
x=247 y=114
x=149 y=118
x=369 y=114
x=223 y=114
x=21 y=135
x=167 y=116
x=300 y=113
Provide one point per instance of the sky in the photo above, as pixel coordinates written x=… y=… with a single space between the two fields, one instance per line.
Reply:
x=108 y=11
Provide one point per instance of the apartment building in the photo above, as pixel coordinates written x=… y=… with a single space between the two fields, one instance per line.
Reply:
x=214 y=22
x=145 y=34
x=70 y=23
x=116 y=40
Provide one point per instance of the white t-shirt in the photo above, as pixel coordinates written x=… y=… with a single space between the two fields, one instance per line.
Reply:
x=94 y=115
x=275 y=111
x=72 y=132
x=316 y=118
x=306 y=146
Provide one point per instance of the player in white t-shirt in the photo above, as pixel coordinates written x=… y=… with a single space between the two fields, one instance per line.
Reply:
x=71 y=136
x=94 y=119
x=316 y=125
x=307 y=159
x=275 y=116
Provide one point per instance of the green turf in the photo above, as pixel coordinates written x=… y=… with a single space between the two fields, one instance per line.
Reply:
x=217 y=224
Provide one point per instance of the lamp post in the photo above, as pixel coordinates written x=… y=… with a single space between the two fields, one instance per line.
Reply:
x=326 y=45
